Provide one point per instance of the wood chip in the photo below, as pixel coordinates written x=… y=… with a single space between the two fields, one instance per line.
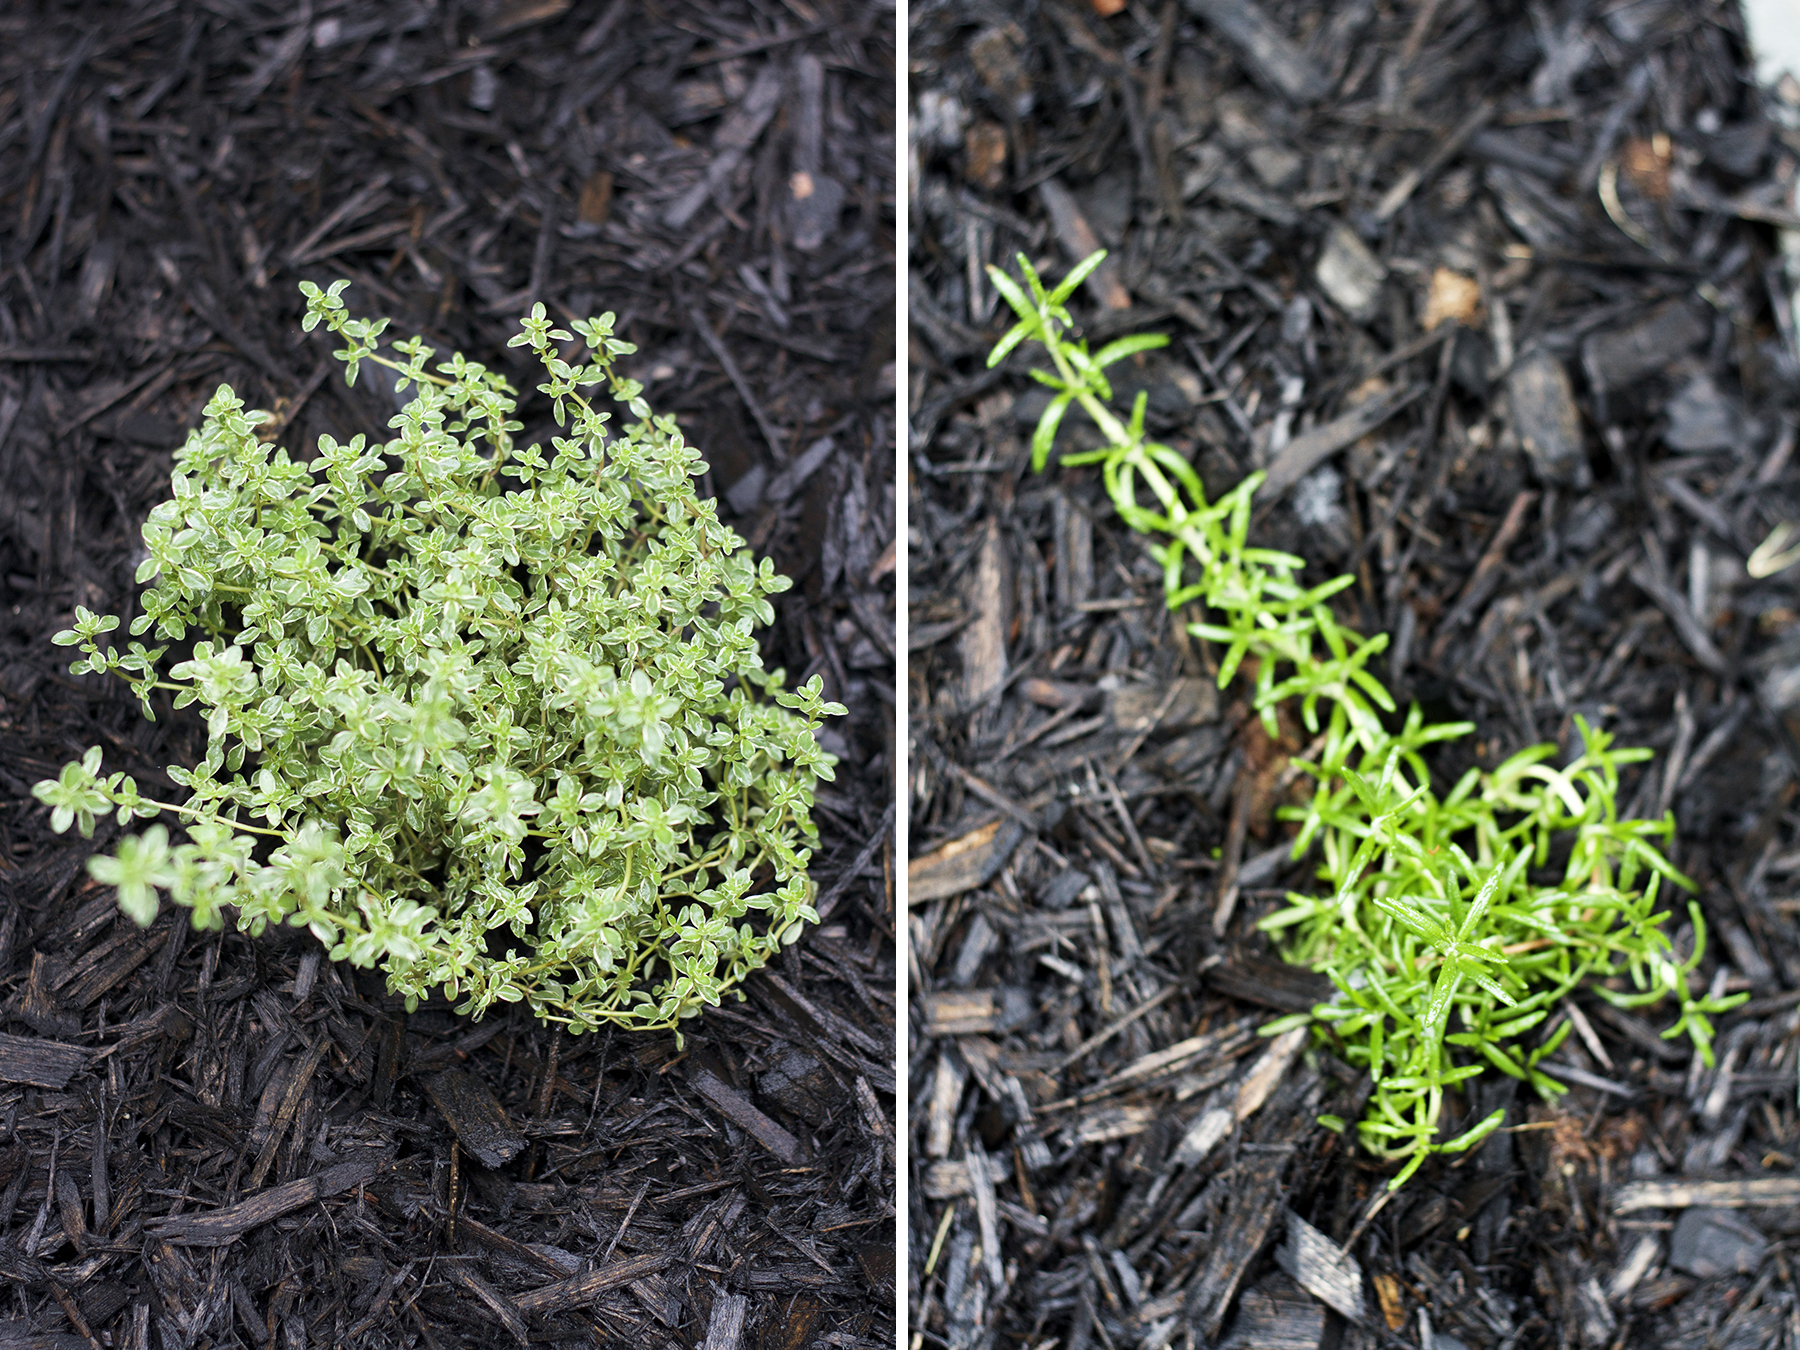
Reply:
x=1307 y=451
x=1079 y=240
x=1256 y=1199
x=45 y=1064
x=1186 y=702
x=1541 y=402
x=982 y=644
x=739 y=1110
x=1266 y=51
x=1322 y=1268
x=965 y=1012
x=735 y=136
x=946 y=1179
x=1616 y=358
x=946 y=1099
x=1748 y=1193
x=725 y=1327
x=582 y=1290
x=1276 y=1312
x=1268 y=1071
x=469 y=1107
x=1450 y=298
x=492 y=1299
x=223 y=1226
x=981 y=1185
x=1105 y=1123
x=963 y=863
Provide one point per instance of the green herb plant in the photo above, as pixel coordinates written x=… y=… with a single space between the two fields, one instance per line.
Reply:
x=490 y=715
x=1450 y=923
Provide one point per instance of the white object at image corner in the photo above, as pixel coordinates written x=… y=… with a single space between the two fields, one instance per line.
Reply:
x=1773 y=27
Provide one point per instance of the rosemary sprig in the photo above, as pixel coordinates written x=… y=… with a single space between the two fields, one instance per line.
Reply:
x=1441 y=921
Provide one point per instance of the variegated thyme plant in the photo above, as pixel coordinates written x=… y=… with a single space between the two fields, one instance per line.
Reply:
x=490 y=715
x=1448 y=933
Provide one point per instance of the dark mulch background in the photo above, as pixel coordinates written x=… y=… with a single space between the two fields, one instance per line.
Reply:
x=206 y=1140
x=1550 y=510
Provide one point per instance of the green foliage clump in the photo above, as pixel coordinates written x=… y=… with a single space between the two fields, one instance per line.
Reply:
x=498 y=709
x=1450 y=924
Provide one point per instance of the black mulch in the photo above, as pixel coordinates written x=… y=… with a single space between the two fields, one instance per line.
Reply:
x=1550 y=505
x=208 y=1140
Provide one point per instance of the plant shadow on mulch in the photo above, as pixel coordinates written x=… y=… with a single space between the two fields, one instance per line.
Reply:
x=1493 y=291
x=209 y=1140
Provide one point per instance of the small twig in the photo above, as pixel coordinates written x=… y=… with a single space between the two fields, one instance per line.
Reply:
x=73 y=1312
x=1222 y=392
x=1105 y=1034
x=1380 y=1203
x=1233 y=855
x=1044 y=728
x=1413 y=179
x=711 y=339
x=992 y=795
x=625 y=1223
x=1127 y=823
x=835 y=892
x=1415 y=36
x=549 y=1088
x=455 y=1185
x=1475 y=589
x=1136 y=743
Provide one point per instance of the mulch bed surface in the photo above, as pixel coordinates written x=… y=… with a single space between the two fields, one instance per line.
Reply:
x=209 y=1140
x=1548 y=501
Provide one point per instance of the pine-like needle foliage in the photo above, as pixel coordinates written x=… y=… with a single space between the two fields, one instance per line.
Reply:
x=1441 y=921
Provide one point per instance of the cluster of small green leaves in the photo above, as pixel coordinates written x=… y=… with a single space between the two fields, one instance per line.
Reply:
x=1444 y=924
x=496 y=710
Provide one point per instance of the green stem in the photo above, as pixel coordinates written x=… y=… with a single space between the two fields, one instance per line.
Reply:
x=200 y=814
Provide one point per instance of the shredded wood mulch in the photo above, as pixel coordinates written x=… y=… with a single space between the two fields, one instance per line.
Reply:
x=209 y=1140
x=1493 y=293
